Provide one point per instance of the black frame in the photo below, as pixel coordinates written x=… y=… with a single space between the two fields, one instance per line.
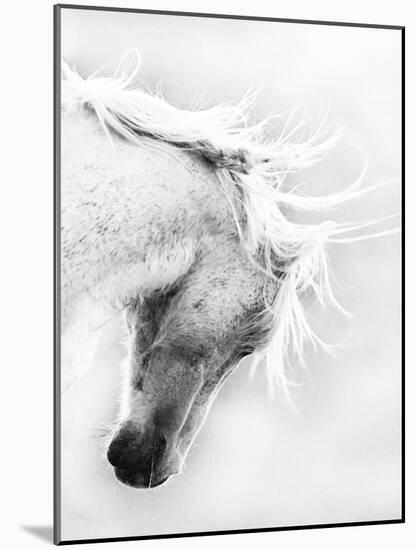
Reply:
x=56 y=290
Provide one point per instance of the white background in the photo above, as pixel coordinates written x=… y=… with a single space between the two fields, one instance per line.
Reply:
x=26 y=230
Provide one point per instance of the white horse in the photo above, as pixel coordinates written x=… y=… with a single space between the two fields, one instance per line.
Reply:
x=181 y=219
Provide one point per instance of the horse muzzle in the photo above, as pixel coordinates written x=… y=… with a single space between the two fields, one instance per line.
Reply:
x=139 y=480
x=140 y=460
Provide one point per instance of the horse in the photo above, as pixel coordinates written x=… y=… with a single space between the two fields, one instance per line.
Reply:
x=183 y=222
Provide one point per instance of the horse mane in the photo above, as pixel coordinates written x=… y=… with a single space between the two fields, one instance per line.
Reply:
x=291 y=253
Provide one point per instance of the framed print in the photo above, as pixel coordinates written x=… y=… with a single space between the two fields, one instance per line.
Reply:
x=228 y=199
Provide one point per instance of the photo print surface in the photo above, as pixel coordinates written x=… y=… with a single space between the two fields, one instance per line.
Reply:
x=229 y=274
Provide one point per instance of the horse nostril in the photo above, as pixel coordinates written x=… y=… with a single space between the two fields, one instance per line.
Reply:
x=130 y=450
x=124 y=450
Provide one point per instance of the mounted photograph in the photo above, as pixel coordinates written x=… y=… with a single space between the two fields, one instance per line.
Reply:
x=228 y=274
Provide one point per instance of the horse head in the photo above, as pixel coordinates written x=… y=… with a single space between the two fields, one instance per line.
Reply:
x=183 y=342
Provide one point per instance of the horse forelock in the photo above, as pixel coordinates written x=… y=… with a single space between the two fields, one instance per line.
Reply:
x=254 y=168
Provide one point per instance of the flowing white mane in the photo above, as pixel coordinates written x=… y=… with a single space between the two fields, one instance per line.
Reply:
x=292 y=253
